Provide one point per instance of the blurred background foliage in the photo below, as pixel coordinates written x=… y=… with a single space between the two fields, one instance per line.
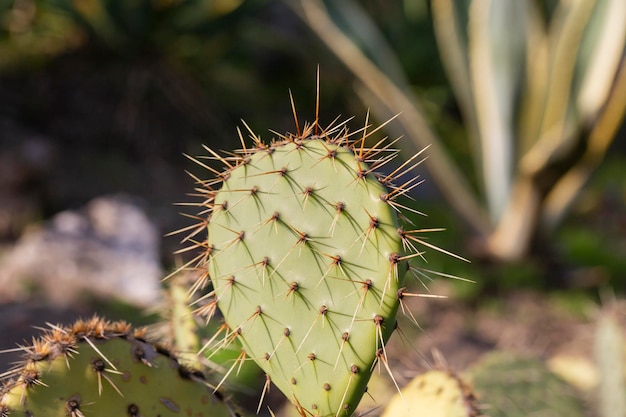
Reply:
x=102 y=96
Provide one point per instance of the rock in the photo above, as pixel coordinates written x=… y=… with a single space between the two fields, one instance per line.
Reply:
x=108 y=249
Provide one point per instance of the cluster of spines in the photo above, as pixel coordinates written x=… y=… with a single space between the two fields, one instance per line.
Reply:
x=58 y=341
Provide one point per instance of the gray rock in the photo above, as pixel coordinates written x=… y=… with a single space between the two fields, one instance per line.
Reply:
x=108 y=249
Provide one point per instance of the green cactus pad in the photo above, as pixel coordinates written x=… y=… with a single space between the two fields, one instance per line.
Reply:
x=434 y=394
x=307 y=262
x=513 y=385
x=100 y=369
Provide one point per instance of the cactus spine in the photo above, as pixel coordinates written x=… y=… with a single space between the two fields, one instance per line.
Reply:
x=307 y=260
x=98 y=368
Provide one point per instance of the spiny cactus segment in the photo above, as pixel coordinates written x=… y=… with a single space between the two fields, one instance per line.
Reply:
x=98 y=368
x=307 y=258
x=436 y=393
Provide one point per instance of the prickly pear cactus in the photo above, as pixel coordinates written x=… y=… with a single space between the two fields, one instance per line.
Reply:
x=307 y=260
x=512 y=385
x=100 y=369
x=435 y=393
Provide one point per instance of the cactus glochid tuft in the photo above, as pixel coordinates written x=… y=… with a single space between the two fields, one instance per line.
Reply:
x=99 y=368
x=307 y=257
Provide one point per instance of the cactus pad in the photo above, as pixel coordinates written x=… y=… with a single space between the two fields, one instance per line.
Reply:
x=96 y=368
x=436 y=394
x=307 y=261
x=512 y=385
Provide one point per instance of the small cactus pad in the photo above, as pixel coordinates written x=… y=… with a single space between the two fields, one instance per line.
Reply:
x=434 y=394
x=307 y=261
x=512 y=385
x=100 y=369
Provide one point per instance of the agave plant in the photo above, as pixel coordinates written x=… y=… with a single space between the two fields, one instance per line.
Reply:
x=541 y=90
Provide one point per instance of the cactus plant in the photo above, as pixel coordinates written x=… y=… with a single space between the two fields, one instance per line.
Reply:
x=98 y=368
x=441 y=393
x=307 y=259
